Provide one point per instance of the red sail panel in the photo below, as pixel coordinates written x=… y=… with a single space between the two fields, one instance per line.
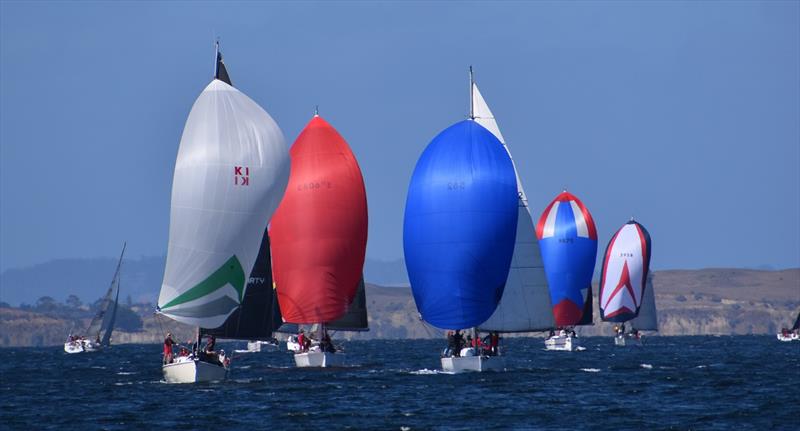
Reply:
x=319 y=232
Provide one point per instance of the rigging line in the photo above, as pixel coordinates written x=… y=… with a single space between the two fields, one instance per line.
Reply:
x=425 y=327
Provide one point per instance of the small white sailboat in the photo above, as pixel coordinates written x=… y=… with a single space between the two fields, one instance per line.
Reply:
x=626 y=286
x=791 y=334
x=525 y=305
x=230 y=175
x=102 y=325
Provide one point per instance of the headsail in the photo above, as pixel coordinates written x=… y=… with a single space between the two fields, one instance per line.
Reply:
x=525 y=305
x=230 y=175
x=796 y=323
x=568 y=240
x=258 y=316
x=319 y=232
x=624 y=274
x=647 y=320
x=460 y=226
x=355 y=319
x=108 y=324
x=102 y=324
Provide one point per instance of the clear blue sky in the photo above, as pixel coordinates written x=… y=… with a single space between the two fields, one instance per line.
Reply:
x=684 y=114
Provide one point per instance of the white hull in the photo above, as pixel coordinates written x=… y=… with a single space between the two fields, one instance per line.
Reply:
x=319 y=359
x=460 y=364
x=565 y=343
x=82 y=346
x=789 y=337
x=292 y=345
x=259 y=346
x=193 y=371
x=627 y=340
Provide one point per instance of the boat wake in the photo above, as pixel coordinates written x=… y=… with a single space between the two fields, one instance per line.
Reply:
x=427 y=372
x=591 y=370
x=646 y=366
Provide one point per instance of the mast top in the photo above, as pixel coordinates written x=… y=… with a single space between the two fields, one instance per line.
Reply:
x=471 y=95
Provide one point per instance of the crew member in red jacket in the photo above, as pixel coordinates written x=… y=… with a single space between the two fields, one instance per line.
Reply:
x=168 y=343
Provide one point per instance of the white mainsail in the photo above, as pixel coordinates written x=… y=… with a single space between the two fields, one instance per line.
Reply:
x=647 y=320
x=525 y=305
x=230 y=175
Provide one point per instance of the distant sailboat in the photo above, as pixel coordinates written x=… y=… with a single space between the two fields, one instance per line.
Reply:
x=792 y=334
x=568 y=240
x=230 y=175
x=319 y=235
x=459 y=232
x=626 y=289
x=102 y=325
x=525 y=305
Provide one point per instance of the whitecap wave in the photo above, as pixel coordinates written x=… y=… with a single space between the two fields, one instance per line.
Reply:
x=646 y=366
x=591 y=370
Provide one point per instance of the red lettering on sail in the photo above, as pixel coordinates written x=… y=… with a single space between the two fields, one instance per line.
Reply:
x=238 y=178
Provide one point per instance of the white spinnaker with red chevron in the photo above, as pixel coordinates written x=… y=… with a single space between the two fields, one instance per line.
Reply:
x=626 y=263
x=230 y=175
x=525 y=305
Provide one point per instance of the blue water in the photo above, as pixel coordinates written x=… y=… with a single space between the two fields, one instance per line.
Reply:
x=748 y=382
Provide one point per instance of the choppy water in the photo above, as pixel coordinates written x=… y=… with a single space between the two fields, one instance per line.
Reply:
x=750 y=382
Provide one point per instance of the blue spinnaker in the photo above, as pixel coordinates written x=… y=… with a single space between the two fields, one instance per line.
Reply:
x=460 y=225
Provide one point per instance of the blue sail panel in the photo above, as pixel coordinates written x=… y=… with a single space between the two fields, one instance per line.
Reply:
x=459 y=227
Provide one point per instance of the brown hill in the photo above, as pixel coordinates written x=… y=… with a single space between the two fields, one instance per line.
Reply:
x=689 y=302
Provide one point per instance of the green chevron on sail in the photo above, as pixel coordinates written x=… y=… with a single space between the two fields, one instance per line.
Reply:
x=230 y=272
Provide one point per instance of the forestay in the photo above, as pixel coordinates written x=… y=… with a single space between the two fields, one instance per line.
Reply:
x=230 y=175
x=525 y=305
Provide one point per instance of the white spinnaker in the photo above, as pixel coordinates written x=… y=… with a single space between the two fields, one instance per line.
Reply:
x=230 y=175
x=626 y=252
x=525 y=305
x=647 y=320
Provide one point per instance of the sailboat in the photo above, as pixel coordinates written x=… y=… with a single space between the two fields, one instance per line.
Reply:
x=525 y=305
x=230 y=175
x=102 y=325
x=792 y=334
x=459 y=231
x=624 y=283
x=568 y=240
x=319 y=236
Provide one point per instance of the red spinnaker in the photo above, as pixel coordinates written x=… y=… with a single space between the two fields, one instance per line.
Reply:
x=319 y=232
